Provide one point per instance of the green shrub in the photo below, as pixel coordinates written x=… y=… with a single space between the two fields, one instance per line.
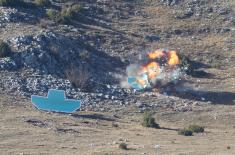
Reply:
x=5 y=50
x=115 y=125
x=149 y=121
x=185 y=132
x=123 y=146
x=43 y=3
x=196 y=128
x=53 y=15
x=66 y=15
x=186 y=64
x=69 y=13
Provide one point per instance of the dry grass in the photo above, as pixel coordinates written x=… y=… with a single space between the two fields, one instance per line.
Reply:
x=97 y=136
x=79 y=77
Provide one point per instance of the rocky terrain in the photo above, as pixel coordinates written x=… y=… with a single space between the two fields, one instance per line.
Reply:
x=108 y=35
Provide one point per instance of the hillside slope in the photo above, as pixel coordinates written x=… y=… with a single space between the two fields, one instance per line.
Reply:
x=85 y=49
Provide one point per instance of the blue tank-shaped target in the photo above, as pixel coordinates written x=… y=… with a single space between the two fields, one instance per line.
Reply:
x=56 y=101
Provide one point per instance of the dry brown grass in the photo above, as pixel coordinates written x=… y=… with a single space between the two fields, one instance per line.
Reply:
x=79 y=77
x=97 y=136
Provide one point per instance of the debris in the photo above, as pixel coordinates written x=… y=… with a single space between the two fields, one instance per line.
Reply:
x=36 y=122
x=153 y=67
x=157 y=146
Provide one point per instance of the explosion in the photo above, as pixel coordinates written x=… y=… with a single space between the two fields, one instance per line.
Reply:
x=155 y=66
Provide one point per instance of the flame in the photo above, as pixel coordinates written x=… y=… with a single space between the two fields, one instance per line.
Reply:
x=152 y=69
x=156 y=54
x=141 y=81
x=157 y=63
x=173 y=58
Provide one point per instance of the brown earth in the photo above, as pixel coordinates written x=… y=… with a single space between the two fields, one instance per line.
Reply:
x=25 y=130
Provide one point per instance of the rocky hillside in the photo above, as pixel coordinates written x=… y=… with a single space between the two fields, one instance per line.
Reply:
x=84 y=47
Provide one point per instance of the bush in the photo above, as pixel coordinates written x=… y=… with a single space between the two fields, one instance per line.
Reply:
x=185 y=132
x=186 y=64
x=69 y=13
x=53 y=15
x=196 y=128
x=84 y=55
x=66 y=15
x=115 y=125
x=149 y=121
x=5 y=50
x=45 y=3
x=123 y=146
x=12 y=3
x=79 y=77
x=216 y=65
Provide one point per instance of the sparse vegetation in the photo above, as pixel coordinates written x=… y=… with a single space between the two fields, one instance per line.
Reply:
x=216 y=65
x=185 y=132
x=10 y=2
x=69 y=13
x=79 y=77
x=66 y=15
x=190 y=130
x=115 y=125
x=186 y=64
x=43 y=3
x=196 y=128
x=13 y=3
x=149 y=121
x=5 y=50
x=123 y=146
x=53 y=15
x=84 y=55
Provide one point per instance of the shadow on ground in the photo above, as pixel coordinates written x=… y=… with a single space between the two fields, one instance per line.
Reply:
x=171 y=129
x=196 y=70
x=93 y=116
x=226 y=98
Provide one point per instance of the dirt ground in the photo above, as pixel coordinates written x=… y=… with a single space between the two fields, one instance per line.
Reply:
x=26 y=130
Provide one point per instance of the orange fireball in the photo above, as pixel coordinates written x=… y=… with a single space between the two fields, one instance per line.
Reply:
x=173 y=58
x=158 y=63
x=152 y=69
x=156 y=54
